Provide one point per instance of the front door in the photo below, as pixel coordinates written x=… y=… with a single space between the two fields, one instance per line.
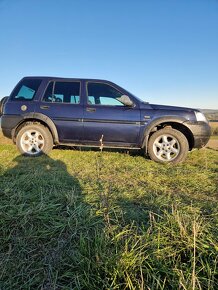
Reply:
x=61 y=103
x=105 y=115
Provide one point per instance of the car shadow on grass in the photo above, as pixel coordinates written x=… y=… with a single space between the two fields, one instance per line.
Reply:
x=48 y=232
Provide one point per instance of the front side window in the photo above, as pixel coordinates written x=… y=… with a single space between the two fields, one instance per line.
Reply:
x=26 y=90
x=103 y=94
x=63 y=92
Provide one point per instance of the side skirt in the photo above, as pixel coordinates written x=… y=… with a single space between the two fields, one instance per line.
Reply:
x=106 y=145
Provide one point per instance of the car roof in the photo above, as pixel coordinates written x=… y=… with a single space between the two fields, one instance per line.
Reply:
x=64 y=78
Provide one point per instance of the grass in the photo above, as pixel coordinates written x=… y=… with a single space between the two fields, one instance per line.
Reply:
x=214 y=137
x=213 y=124
x=91 y=220
x=214 y=128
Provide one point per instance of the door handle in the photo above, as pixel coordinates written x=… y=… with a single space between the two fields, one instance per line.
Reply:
x=90 y=109
x=44 y=107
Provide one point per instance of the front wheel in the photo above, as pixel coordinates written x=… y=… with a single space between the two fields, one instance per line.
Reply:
x=168 y=146
x=34 y=140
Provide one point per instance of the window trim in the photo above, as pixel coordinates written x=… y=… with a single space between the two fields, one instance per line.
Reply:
x=101 y=105
x=53 y=87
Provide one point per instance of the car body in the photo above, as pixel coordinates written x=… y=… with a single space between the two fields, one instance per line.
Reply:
x=93 y=112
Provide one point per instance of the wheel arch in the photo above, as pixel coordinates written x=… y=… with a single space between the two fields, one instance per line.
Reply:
x=37 y=118
x=173 y=122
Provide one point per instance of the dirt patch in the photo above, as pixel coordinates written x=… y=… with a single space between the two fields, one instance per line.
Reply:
x=213 y=144
x=4 y=140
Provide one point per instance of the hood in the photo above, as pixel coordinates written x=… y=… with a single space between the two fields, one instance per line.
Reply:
x=171 y=108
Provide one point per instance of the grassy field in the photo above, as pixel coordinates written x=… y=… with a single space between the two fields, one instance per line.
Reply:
x=214 y=128
x=90 y=220
x=214 y=124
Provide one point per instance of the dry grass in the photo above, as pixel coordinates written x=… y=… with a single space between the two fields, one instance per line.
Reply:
x=214 y=128
x=213 y=124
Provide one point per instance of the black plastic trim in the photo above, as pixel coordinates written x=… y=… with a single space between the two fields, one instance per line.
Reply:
x=157 y=122
x=10 y=123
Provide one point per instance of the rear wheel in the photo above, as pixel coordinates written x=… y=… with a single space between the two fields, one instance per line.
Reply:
x=168 y=146
x=34 y=140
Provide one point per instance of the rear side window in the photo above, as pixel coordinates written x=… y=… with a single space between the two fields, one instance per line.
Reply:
x=26 y=90
x=63 y=92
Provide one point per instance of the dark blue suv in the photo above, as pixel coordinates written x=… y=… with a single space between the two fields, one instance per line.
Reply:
x=45 y=111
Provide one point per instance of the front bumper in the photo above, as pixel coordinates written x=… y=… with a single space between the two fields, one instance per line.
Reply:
x=201 y=132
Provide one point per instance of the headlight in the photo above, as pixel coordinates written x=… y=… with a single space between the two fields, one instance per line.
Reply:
x=200 y=117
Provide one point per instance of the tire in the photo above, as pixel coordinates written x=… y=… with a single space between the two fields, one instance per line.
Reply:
x=34 y=140
x=168 y=146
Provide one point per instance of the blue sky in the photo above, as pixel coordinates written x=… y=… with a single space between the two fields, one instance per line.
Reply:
x=163 y=51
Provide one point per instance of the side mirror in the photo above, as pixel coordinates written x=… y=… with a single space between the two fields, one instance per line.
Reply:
x=124 y=99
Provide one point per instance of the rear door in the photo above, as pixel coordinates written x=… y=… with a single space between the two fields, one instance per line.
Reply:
x=105 y=115
x=62 y=103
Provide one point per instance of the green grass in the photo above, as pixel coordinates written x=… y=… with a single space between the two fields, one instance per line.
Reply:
x=90 y=220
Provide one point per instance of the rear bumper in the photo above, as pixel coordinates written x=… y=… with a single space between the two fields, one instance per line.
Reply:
x=8 y=123
x=201 y=133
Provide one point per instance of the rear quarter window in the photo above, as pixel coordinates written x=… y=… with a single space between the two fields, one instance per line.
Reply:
x=26 y=90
